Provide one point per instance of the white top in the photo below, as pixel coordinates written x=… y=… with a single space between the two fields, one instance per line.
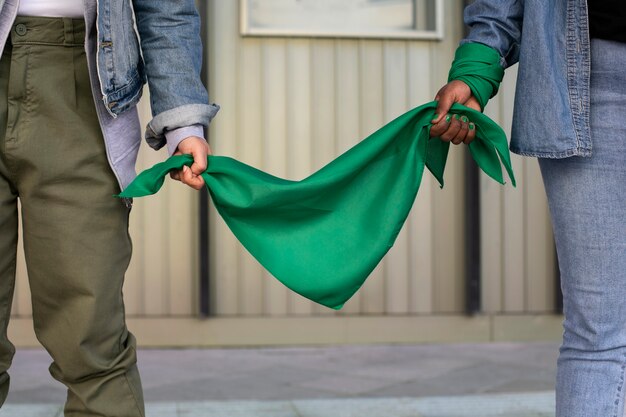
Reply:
x=51 y=8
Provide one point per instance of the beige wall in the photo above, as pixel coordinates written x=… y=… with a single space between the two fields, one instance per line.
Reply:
x=291 y=105
x=288 y=107
x=518 y=254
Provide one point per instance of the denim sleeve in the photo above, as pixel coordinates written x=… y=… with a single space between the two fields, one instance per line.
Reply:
x=172 y=51
x=497 y=24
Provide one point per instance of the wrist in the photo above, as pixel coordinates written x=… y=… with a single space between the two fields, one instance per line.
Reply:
x=176 y=136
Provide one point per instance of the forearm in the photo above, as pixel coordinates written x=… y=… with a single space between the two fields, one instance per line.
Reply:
x=172 y=51
x=478 y=68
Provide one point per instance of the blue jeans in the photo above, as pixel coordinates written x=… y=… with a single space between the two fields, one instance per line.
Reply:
x=587 y=198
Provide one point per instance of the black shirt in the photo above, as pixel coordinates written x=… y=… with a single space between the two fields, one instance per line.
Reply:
x=607 y=19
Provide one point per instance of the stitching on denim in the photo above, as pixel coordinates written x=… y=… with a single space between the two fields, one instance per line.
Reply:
x=578 y=84
x=554 y=155
x=586 y=72
x=619 y=397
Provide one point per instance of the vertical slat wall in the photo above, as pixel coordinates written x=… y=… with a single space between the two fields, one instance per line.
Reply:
x=324 y=95
x=291 y=105
x=517 y=247
x=163 y=274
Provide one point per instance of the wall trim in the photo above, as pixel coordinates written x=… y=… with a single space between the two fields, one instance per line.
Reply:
x=306 y=331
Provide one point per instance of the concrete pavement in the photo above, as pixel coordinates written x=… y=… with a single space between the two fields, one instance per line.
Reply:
x=457 y=380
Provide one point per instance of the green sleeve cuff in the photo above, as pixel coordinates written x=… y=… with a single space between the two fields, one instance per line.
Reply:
x=478 y=66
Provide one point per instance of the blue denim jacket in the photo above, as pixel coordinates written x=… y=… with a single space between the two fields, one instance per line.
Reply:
x=172 y=51
x=550 y=39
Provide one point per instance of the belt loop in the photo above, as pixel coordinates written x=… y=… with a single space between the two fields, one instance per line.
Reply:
x=68 y=26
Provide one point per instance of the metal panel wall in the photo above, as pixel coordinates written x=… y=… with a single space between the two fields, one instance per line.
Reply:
x=291 y=105
x=517 y=252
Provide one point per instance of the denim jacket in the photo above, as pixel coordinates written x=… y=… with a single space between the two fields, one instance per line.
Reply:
x=169 y=59
x=172 y=51
x=550 y=39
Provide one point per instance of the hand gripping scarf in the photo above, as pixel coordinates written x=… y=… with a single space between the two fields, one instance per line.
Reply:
x=322 y=236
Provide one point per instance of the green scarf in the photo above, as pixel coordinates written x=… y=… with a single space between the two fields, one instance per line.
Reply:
x=478 y=66
x=322 y=236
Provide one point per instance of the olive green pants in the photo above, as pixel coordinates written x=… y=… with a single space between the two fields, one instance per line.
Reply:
x=53 y=159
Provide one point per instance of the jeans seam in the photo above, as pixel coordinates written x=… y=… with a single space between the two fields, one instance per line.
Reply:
x=619 y=397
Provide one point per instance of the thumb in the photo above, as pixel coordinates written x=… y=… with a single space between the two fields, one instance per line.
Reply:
x=199 y=161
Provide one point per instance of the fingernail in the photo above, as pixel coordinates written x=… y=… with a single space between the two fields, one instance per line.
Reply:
x=457 y=117
x=448 y=118
x=464 y=119
x=471 y=126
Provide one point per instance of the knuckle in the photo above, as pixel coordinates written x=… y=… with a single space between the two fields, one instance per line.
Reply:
x=438 y=128
x=451 y=133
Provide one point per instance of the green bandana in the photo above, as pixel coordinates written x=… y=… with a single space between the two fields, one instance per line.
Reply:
x=478 y=66
x=322 y=236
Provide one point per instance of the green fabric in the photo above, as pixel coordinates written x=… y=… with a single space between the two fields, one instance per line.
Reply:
x=323 y=236
x=478 y=66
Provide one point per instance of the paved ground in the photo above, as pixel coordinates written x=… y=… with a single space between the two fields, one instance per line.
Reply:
x=462 y=380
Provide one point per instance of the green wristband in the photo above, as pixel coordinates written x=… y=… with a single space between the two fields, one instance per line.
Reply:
x=478 y=66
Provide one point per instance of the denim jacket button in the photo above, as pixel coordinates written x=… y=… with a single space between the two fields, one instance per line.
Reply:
x=21 y=29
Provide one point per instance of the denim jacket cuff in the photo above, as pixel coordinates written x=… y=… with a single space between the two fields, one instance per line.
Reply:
x=179 y=117
x=174 y=137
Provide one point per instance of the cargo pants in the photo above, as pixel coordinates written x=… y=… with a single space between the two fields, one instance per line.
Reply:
x=75 y=233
